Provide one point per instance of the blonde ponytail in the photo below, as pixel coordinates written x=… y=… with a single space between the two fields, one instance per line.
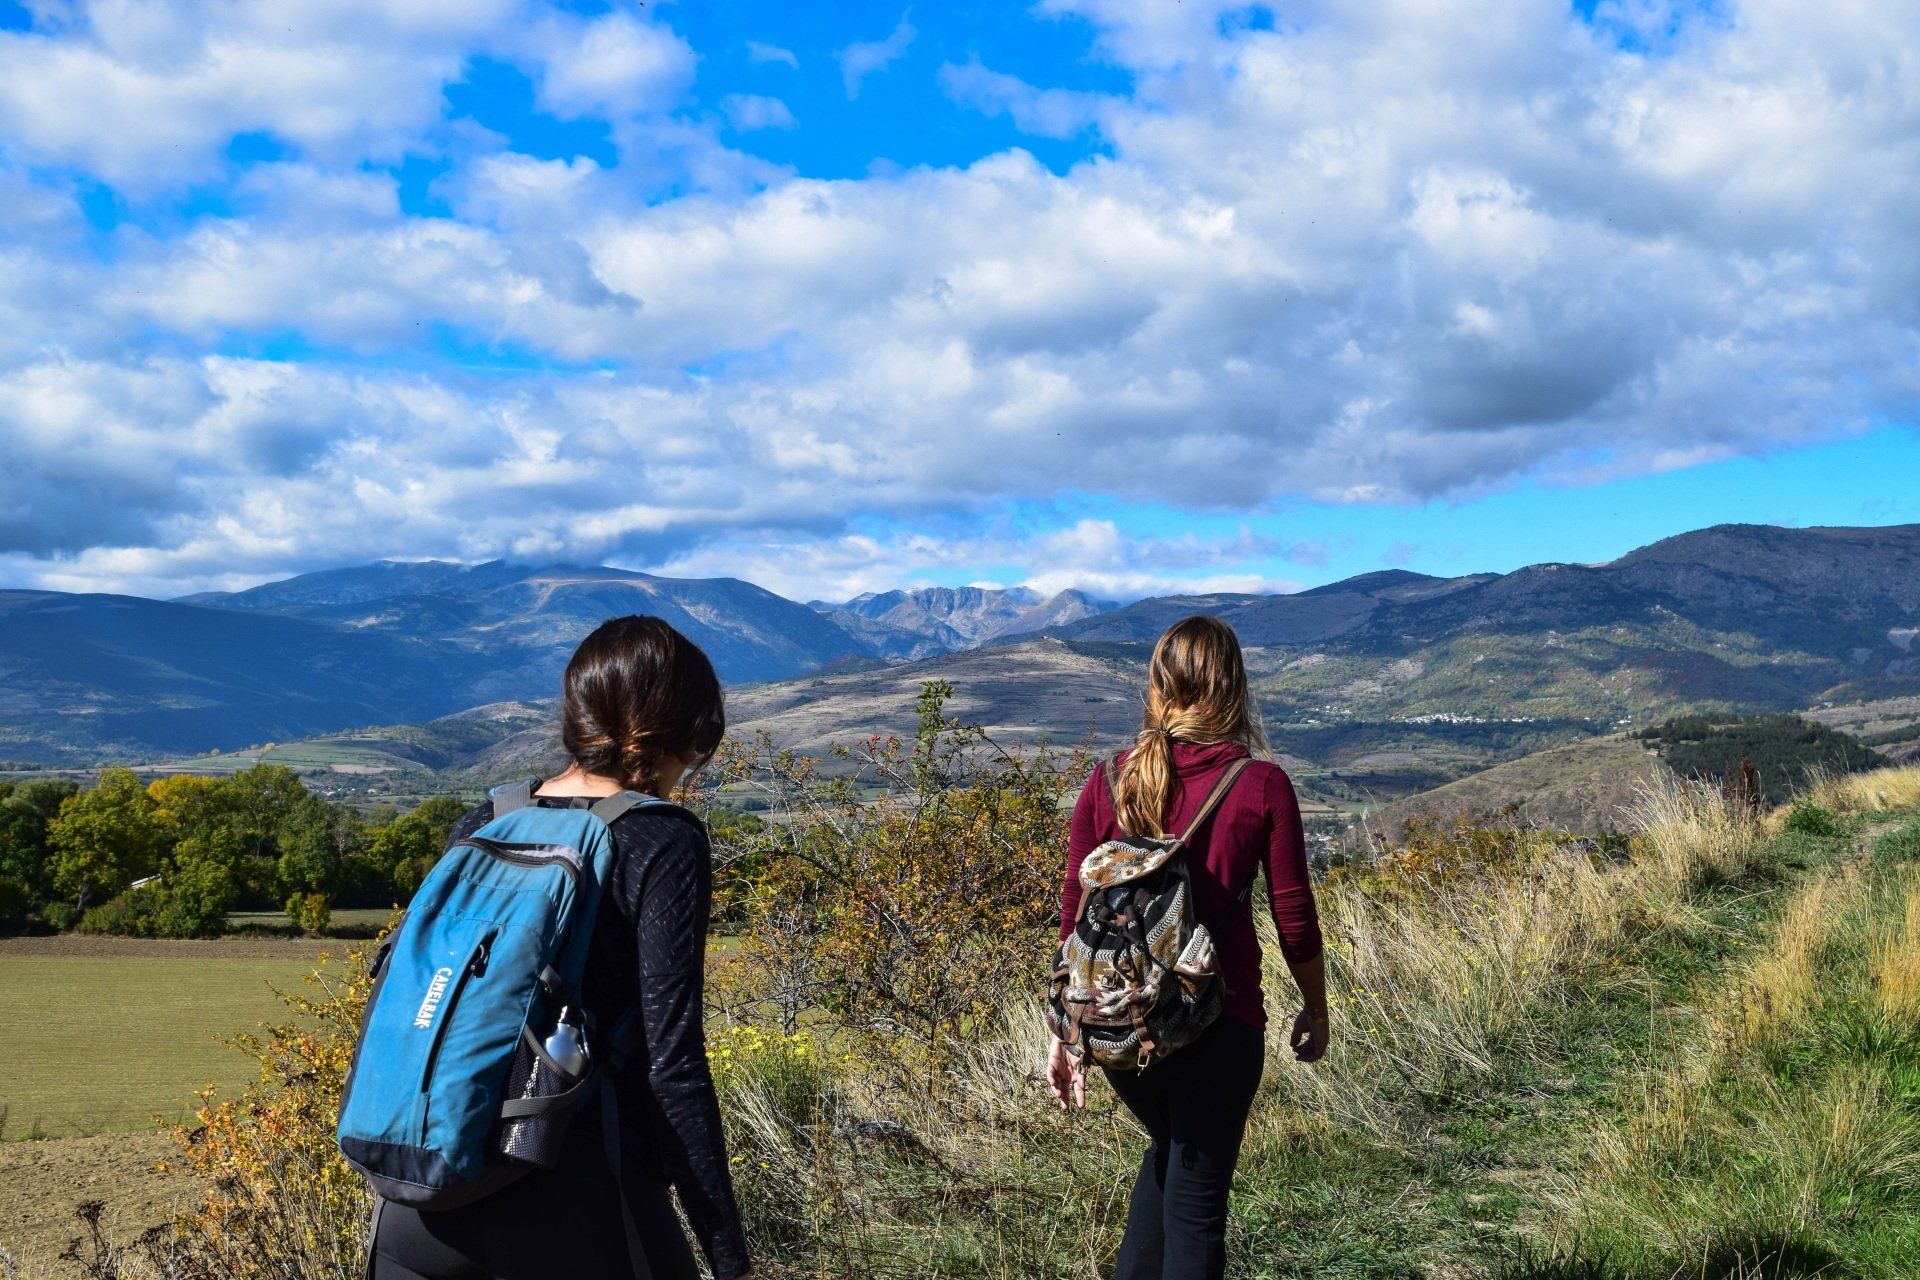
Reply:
x=1196 y=692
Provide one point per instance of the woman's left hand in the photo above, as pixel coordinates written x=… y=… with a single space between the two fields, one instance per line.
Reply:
x=1066 y=1077
x=1309 y=1039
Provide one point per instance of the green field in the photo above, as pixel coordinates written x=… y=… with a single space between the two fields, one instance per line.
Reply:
x=103 y=1034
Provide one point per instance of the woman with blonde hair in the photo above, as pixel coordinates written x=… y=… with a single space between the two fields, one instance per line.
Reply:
x=1194 y=1103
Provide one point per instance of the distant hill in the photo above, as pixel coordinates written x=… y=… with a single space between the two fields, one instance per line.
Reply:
x=527 y=618
x=115 y=677
x=1301 y=618
x=1581 y=786
x=1840 y=591
x=1890 y=726
x=1737 y=617
x=1019 y=694
x=90 y=676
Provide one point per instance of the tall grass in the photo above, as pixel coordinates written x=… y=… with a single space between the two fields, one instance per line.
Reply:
x=1768 y=1171
x=1897 y=961
x=1436 y=986
x=1876 y=791
x=1784 y=986
x=1787 y=1135
x=1450 y=978
x=1448 y=972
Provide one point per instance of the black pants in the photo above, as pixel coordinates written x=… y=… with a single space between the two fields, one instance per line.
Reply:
x=1194 y=1106
x=562 y=1223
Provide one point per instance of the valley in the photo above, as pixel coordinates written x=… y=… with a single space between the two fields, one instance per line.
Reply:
x=392 y=681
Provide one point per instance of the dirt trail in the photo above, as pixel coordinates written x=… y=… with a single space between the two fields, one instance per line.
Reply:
x=42 y=1182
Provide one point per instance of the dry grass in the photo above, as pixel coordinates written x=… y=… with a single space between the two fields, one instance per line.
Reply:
x=1447 y=983
x=1880 y=791
x=1785 y=985
x=1690 y=835
x=861 y=1180
x=1896 y=962
x=1788 y=1122
x=1431 y=990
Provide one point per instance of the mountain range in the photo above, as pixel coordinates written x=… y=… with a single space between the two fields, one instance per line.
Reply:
x=96 y=676
x=1387 y=680
x=922 y=621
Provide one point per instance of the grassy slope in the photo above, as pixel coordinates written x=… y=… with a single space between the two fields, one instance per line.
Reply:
x=1503 y=1173
x=1493 y=1046
x=1582 y=786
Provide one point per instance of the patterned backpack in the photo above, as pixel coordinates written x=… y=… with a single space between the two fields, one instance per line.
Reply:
x=1137 y=977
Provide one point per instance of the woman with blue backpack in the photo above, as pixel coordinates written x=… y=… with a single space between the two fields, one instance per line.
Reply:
x=1157 y=978
x=532 y=1073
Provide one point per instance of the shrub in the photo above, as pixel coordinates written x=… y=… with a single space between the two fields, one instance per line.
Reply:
x=905 y=919
x=1810 y=819
x=311 y=913
x=129 y=914
x=190 y=900
x=277 y=1200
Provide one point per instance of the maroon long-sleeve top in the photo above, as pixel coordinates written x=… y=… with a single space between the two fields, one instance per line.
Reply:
x=1256 y=827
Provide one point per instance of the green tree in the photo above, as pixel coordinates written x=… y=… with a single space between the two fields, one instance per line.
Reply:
x=104 y=839
x=440 y=813
x=26 y=808
x=262 y=797
x=200 y=885
x=405 y=849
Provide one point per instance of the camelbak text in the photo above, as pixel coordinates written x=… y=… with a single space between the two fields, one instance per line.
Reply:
x=435 y=989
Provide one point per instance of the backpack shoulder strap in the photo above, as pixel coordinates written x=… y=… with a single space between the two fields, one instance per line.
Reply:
x=1214 y=797
x=513 y=795
x=608 y=808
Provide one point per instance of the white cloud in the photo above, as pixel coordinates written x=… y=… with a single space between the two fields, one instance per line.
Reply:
x=747 y=112
x=613 y=66
x=1046 y=113
x=146 y=94
x=863 y=58
x=758 y=52
x=1357 y=260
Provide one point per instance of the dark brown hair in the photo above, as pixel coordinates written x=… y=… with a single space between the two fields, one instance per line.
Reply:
x=638 y=691
x=1196 y=692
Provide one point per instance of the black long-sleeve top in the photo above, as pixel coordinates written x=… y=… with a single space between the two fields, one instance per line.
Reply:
x=648 y=956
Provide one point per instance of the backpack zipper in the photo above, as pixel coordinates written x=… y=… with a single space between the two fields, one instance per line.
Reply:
x=475 y=965
x=522 y=855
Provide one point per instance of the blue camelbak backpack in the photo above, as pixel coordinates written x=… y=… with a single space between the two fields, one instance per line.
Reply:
x=474 y=1049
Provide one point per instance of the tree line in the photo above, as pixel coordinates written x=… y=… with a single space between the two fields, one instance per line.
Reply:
x=1782 y=752
x=174 y=857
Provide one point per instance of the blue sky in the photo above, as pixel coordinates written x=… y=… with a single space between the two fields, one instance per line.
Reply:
x=1132 y=297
